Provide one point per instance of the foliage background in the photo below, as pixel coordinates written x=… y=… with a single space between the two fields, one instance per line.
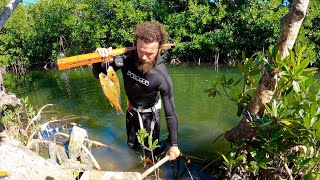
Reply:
x=36 y=33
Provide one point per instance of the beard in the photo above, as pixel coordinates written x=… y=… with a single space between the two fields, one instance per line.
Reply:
x=145 y=67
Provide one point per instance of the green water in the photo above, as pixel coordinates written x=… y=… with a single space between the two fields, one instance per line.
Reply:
x=77 y=92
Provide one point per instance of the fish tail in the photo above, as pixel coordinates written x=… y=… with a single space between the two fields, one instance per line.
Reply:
x=3 y=174
x=119 y=111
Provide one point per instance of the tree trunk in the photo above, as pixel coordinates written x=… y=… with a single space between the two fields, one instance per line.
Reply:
x=291 y=24
x=5 y=14
x=2 y=70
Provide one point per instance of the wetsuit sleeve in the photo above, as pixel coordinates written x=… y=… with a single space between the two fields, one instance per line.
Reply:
x=166 y=92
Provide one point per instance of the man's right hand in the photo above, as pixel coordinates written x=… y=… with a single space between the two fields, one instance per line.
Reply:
x=173 y=153
x=104 y=52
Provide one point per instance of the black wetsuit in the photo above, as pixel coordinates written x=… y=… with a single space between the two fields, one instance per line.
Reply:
x=142 y=92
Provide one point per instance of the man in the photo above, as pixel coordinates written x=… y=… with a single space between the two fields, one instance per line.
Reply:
x=144 y=75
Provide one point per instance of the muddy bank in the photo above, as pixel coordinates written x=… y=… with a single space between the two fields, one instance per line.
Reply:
x=21 y=163
x=18 y=162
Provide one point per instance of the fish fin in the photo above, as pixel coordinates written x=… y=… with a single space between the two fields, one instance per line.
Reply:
x=119 y=99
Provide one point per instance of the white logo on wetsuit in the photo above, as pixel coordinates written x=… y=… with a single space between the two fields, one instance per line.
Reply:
x=137 y=78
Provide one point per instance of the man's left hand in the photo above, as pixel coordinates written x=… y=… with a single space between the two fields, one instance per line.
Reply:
x=173 y=153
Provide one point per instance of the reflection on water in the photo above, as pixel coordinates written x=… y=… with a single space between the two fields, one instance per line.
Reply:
x=77 y=92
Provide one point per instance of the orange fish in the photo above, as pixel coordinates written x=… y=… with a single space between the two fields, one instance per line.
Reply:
x=111 y=92
x=114 y=78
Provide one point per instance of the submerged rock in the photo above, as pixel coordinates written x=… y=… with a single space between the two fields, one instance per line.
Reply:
x=106 y=175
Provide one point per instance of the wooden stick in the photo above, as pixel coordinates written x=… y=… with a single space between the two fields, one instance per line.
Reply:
x=85 y=59
x=37 y=117
x=154 y=167
x=86 y=139
x=94 y=161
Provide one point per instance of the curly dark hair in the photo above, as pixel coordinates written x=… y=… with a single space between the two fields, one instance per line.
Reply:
x=150 y=32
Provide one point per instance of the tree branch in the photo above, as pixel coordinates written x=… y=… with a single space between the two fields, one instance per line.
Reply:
x=5 y=14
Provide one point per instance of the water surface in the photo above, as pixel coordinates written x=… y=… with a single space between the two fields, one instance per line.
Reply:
x=77 y=92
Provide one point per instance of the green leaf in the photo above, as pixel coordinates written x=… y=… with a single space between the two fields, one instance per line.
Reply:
x=299 y=58
x=316 y=125
x=149 y=140
x=232 y=161
x=265 y=160
x=253 y=163
x=214 y=83
x=240 y=67
x=140 y=140
x=313 y=121
x=223 y=78
x=299 y=68
x=243 y=56
x=252 y=151
x=261 y=154
x=240 y=110
x=241 y=158
x=230 y=81
x=262 y=165
x=278 y=57
x=268 y=66
x=308 y=176
x=308 y=82
x=237 y=82
x=155 y=143
x=291 y=58
x=311 y=69
x=276 y=136
x=307 y=121
x=225 y=159
x=301 y=113
x=296 y=86
x=232 y=154
x=288 y=90
x=313 y=109
x=274 y=108
x=263 y=134
x=268 y=109
x=299 y=49
x=306 y=161
x=272 y=50
x=286 y=122
x=254 y=72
